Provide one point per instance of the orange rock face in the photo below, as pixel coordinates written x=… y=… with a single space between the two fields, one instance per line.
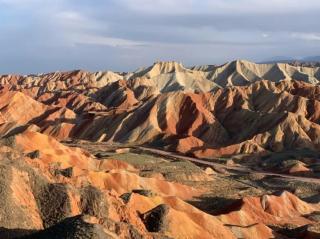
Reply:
x=283 y=209
x=111 y=192
x=258 y=116
x=240 y=108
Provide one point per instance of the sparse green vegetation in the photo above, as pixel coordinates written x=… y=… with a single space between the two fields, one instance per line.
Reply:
x=174 y=170
x=288 y=158
x=8 y=141
x=137 y=160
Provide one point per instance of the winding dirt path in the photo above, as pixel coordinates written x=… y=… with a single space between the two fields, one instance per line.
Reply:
x=217 y=165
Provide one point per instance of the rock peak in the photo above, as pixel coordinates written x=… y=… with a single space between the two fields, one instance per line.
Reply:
x=168 y=66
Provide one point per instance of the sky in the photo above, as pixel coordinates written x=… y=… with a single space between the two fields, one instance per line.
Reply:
x=121 y=35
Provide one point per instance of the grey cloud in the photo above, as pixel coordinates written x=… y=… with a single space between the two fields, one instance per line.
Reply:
x=124 y=34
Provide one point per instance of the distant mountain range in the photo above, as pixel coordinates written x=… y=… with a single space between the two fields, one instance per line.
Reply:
x=284 y=59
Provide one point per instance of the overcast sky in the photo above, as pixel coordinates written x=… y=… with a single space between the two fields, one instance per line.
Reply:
x=121 y=35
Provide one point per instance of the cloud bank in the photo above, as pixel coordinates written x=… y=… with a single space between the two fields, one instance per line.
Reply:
x=49 y=35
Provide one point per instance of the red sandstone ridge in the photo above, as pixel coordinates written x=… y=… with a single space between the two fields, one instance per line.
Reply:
x=262 y=117
x=164 y=105
x=272 y=116
x=66 y=172
x=269 y=110
x=119 y=197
